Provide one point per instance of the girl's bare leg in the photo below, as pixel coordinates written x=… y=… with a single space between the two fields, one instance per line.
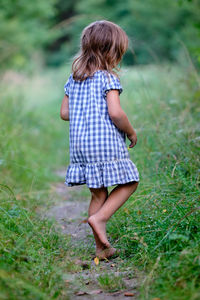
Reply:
x=118 y=196
x=99 y=196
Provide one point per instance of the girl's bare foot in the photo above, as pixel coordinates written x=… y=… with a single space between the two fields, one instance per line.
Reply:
x=106 y=253
x=99 y=227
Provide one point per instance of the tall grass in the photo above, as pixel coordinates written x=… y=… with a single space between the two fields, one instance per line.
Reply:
x=158 y=228
x=32 y=254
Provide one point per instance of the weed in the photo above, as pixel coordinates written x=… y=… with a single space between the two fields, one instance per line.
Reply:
x=111 y=283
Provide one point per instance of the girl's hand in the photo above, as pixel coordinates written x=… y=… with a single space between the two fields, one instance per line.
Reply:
x=133 y=139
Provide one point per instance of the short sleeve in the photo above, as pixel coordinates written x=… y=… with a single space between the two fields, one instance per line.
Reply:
x=111 y=82
x=67 y=85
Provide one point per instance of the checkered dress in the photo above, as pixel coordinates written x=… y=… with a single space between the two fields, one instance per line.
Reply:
x=98 y=152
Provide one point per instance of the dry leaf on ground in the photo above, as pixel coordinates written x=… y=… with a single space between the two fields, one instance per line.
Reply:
x=112 y=265
x=129 y=294
x=96 y=261
x=81 y=293
x=84 y=221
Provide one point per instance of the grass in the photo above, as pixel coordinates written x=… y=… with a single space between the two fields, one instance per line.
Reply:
x=157 y=229
x=111 y=283
x=32 y=254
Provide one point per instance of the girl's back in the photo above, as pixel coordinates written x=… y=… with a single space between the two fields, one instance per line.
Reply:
x=97 y=146
x=93 y=136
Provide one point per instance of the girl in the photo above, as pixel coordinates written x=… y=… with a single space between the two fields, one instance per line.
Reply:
x=98 y=128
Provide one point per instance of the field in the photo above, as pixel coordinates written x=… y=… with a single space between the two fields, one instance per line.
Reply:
x=157 y=229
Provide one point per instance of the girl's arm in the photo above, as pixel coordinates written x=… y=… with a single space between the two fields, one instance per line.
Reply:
x=119 y=117
x=64 y=110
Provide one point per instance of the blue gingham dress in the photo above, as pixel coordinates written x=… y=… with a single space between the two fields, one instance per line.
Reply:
x=98 y=152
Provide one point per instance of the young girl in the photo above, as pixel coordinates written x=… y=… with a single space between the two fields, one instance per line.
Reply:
x=98 y=128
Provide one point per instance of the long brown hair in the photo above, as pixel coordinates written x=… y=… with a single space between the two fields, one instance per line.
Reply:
x=103 y=43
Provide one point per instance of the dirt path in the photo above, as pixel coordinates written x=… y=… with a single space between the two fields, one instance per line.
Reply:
x=70 y=214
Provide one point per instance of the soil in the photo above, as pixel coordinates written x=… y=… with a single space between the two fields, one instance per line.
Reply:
x=70 y=214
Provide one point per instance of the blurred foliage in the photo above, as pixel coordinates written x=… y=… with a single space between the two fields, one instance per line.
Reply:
x=157 y=31
x=24 y=29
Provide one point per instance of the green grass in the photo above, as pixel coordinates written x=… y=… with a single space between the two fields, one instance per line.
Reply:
x=157 y=229
x=33 y=255
x=111 y=283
